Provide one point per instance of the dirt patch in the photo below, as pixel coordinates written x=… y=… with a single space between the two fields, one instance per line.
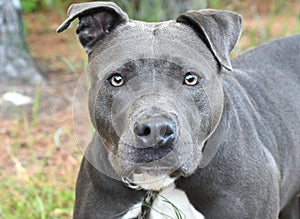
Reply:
x=44 y=137
x=55 y=53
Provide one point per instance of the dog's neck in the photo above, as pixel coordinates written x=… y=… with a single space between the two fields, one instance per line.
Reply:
x=167 y=203
x=215 y=140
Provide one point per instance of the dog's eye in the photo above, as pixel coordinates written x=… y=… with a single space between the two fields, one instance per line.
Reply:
x=190 y=79
x=116 y=80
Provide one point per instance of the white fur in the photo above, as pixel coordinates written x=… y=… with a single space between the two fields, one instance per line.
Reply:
x=149 y=182
x=133 y=212
x=163 y=209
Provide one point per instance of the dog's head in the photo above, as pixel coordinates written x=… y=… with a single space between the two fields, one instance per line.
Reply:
x=155 y=96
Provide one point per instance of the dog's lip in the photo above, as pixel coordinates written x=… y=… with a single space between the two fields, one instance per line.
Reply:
x=149 y=155
x=176 y=173
x=152 y=171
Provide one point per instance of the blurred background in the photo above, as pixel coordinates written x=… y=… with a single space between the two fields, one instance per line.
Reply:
x=39 y=69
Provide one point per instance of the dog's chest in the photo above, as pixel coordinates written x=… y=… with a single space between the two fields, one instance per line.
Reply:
x=169 y=203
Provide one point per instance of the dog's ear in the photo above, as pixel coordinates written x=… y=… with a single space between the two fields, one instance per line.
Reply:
x=96 y=20
x=220 y=30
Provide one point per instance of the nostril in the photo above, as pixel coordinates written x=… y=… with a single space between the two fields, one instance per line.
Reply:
x=145 y=131
x=142 y=130
x=154 y=132
x=166 y=131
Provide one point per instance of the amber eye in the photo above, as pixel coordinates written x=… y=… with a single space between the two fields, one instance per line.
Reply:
x=116 y=80
x=190 y=79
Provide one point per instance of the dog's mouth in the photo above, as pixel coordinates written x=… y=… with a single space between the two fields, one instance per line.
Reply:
x=151 y=154
x=152 y=170
x=151 y=176
x=137 y=163
x=154 y=161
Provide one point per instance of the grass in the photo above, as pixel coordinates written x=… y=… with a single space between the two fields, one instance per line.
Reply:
x=38 y=174
x=34 y=197
x=282 y=19
x=36 y=103
x=29 y=191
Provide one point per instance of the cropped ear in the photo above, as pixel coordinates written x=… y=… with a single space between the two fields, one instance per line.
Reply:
x=96 y=20
x=220 y=30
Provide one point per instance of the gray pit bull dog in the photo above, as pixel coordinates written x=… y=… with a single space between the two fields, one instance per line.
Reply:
x=175 y=117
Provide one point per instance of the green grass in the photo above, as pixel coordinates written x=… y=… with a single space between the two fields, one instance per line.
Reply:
x=29 y=191
x=36 y=103
x=34 y=197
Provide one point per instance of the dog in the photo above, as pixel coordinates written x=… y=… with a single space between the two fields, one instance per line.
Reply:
x=174 y=115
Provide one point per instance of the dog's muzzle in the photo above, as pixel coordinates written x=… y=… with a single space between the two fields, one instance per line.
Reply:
x=155 y=137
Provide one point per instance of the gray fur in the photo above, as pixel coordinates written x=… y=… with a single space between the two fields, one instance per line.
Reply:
x=240 y=129
x=220 y=30
x=79 y=10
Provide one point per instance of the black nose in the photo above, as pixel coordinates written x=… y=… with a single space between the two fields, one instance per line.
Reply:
x=155 y=132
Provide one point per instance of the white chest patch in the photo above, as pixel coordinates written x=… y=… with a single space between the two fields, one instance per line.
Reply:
x=149 y=182
x=169 y=203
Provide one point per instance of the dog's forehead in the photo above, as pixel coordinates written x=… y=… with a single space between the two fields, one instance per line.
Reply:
x=169 y=40
x=171 y=30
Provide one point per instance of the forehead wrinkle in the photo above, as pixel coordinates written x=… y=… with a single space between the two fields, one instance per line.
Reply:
x=149 y=66
x=178 y=52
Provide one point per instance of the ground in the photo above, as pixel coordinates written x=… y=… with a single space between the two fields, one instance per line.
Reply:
x=38 y=151
x=39 y=155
